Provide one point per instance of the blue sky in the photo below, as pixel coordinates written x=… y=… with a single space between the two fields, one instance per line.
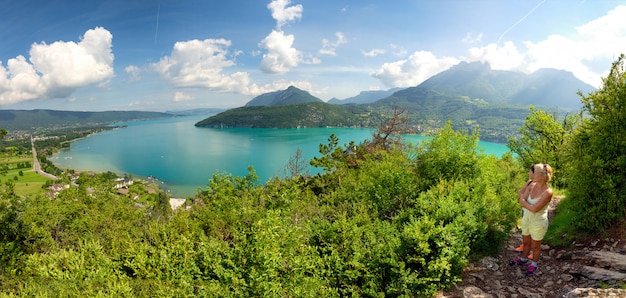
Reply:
x=164 y=55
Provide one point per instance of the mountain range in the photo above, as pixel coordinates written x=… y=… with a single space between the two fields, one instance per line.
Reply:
x=289 y=96
x=364 y=97
x=475 y=81
x=544 y=87
x=470 y=95
x=29 y=120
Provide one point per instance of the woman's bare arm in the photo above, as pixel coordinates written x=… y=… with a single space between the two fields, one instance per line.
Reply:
x=546 y=196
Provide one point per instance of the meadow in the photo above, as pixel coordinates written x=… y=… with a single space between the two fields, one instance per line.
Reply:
x=18 y=170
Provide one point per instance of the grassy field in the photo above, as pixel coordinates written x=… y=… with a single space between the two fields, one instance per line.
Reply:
x=25 y=184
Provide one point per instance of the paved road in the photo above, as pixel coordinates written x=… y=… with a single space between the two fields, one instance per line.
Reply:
x=37 y=166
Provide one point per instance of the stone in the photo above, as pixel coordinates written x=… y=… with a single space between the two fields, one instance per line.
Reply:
x=497 y=285
x=566 y=277
x=611 y=260
x=490 y=263
x=602 y=274
x=527 y=293
x=548 y=284
x=474 y=292
x=478 y=275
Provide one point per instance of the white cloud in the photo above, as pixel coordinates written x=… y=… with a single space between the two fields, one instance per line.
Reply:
x=373 y=52
x=283 y=14
x=506 y=57
x=56 y=70
x=280 y=56
x=181 y=96
x=471 y=38
x=329 y=47
x=133 y=72
x=279 y=85
x=600 y=41
x=200 y=63
x=417 y=68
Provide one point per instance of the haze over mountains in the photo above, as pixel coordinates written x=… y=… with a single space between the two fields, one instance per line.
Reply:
x=365 y=97
x=469 y=95
x=289 y=96
x=475 y=81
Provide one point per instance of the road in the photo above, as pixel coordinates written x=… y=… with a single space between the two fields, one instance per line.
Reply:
x=37 y=166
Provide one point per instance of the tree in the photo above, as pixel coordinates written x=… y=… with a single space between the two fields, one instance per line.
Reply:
x=388 y=134
x=543 y=139
x=597 y=155
x=296 y=166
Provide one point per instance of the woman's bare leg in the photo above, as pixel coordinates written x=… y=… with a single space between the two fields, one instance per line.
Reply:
x=527 y=246
x=536 y=247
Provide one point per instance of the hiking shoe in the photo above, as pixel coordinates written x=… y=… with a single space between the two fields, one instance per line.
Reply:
x=531 y=270
x=517 y=261
x=520 y=247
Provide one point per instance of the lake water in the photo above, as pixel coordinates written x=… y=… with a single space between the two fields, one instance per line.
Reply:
x=184 y=157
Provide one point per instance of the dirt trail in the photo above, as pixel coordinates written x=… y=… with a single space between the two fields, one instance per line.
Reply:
x=591 y=268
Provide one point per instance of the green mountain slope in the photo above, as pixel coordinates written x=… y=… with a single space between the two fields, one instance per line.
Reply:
x=39 y=119
x=476 y=80
x=313 y=114
x=428 y=109
x=289 y=96
x=364 y=97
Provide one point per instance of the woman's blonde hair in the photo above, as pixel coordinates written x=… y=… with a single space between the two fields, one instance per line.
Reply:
x=545 y=169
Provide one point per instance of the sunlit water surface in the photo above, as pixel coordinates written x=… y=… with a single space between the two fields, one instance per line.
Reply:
x=184 y=157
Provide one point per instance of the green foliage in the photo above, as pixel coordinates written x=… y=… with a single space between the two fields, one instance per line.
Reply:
x=13 y=229
x=597 y=155
x=560 y=232
x=379 y=221
x=313 y=114
x=448 y=156
x=543 y=140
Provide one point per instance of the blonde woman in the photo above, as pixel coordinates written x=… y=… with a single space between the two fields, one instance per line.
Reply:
x=534 y=200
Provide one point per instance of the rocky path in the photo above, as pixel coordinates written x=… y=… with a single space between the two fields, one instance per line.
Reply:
x=591 y=268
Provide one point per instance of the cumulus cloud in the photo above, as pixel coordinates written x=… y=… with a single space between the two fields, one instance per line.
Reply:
x=56 y=70
x=420 y=66
x=133 y=72
x=279 y=85
x=506 y=57
x=181 y=96
x=201 y=63
x=283 y=14
x=471 y=38
x=373 y=52
x=329 y=47
x=280 y=56
x=600 y=41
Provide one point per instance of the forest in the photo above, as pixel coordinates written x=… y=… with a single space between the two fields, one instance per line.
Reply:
x=384 y=218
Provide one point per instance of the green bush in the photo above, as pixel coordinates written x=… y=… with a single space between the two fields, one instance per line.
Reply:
x=597 y=155
x=376 y=223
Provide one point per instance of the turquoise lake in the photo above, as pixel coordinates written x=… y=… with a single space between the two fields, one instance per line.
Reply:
x=184 y=157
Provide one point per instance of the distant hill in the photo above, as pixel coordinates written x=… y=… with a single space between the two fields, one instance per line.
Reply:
x=430 y=108
x=196 y=112
x=312 y=114
x=29 y=120
x=543 y=88
x=469 y=95
x=289 y=96
x=365 y=97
